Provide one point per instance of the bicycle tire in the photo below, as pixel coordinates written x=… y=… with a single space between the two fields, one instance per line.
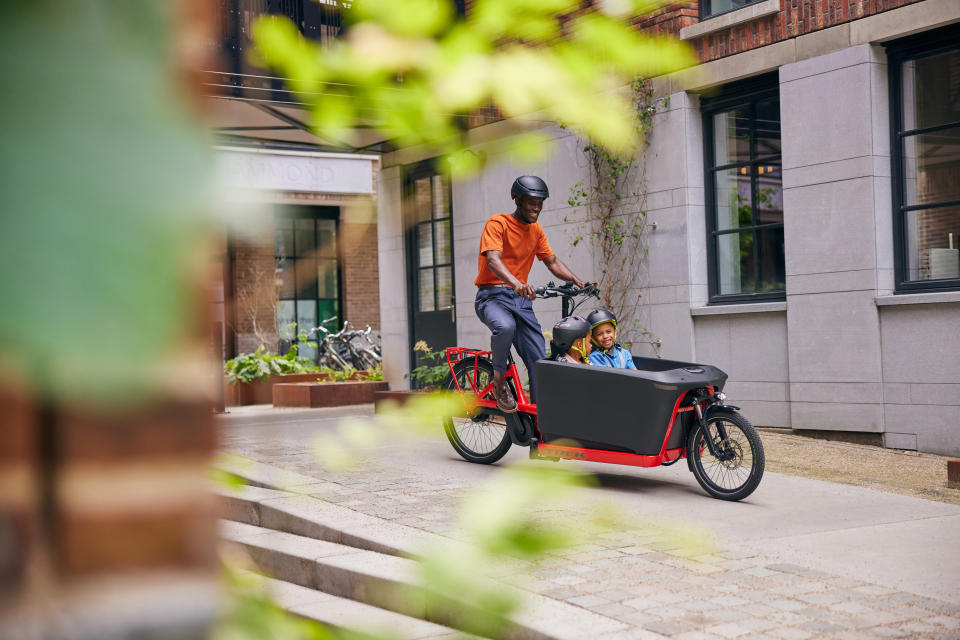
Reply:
x=727 y=478
x=482 y=441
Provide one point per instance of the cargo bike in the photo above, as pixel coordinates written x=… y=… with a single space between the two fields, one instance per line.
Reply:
x=656 y=415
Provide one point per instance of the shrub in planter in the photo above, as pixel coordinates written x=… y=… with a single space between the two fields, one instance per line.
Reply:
x=248 y=375
x=434 y=370
x=262 y=364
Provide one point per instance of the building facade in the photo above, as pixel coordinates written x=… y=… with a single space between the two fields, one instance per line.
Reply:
x=805 y=184
x=305 y=248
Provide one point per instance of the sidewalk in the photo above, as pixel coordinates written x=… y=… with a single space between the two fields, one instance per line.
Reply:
x=802 y=558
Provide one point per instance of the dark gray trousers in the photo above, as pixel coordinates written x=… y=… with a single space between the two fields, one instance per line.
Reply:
x=511 y=320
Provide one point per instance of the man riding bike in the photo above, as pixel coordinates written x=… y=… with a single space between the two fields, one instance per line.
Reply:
x=508 y=245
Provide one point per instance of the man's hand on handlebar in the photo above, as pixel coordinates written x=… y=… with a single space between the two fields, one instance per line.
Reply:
x=525 y=290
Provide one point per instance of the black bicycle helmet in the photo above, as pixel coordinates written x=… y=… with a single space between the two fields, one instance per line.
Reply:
x=529 y=186
x=599 y=316
x=566 y=332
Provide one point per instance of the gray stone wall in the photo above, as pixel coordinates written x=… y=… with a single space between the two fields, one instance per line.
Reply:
x=836 y=175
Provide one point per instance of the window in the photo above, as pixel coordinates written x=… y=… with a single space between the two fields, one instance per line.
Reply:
x=711 y=8
x=307 y=276
x=744 y=193
x=434 y=253
x=925 y=114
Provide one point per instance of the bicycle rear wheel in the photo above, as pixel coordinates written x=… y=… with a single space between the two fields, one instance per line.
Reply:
x=480 y=437
x=735 y=473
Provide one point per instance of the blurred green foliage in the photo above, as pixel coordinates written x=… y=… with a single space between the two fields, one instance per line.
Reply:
x=104 y=180
x=414 y=70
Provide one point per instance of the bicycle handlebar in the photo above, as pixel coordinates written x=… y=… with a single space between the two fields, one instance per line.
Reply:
x=566 y=290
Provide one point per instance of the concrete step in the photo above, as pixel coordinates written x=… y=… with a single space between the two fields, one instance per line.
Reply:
x=343 y=613
x=294 y=511
x=390 y=582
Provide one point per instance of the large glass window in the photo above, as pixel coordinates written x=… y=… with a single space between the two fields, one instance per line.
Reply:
x=744 y=191
x=307 y=275
x=925 y=89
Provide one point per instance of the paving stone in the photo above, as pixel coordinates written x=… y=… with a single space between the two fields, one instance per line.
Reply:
x=615 y=596
x=639 y=618
x=698 y=605
x=791 y=633
x=729 y=630
x=949 y=622
x=918 y=627
x=587 y=601
x=757 y=610
x=788 y=618
x=889 y=632
x=668 y=628
x=611 y=609
x=874 y=590
x=821 y=626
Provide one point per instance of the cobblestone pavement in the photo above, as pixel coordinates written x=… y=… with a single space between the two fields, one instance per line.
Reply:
x=639 y=575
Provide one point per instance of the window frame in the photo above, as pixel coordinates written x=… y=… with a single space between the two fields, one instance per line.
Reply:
x=915 y=47
x=705 y=4
x=744 y=92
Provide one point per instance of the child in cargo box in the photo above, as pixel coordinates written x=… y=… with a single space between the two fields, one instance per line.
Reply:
x=571 y=340
x=606 y=352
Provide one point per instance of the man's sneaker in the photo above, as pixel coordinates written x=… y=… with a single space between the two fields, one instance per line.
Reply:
x=505 y=401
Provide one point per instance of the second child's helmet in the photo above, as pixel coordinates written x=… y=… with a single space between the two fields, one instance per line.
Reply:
x=599 y=316
x=566 y=332
x=529 y=186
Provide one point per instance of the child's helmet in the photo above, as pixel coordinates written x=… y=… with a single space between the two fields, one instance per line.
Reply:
x=566 y=332
x=599 y=316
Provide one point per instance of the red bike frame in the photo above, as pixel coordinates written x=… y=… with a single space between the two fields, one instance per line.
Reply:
x=457 y=354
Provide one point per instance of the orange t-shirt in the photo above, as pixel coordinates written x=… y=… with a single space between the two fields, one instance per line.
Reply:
x=517 y=243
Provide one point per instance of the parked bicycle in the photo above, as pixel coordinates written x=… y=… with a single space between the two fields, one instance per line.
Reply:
x=338 y=351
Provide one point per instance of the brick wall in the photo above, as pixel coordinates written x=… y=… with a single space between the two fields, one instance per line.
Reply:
x=255 y=294
x=796 y=18
x=669 y=19
x=359 y=269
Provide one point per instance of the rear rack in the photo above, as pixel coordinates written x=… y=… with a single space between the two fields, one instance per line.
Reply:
x=456 y=354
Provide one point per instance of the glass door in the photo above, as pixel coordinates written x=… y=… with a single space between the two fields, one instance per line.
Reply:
x=430 y=261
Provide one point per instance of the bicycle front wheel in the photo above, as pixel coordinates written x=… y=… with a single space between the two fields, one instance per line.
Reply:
x=478 y=437
x=736 y=471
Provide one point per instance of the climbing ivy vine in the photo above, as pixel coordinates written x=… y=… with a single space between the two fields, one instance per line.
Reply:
x=613 y=202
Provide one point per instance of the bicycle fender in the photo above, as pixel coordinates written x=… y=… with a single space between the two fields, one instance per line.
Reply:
x=718 y=407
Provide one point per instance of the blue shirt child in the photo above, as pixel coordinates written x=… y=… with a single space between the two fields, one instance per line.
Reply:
x=616 y=356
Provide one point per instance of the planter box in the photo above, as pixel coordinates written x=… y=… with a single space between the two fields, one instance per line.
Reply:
x=325 y=394
x=261 y=391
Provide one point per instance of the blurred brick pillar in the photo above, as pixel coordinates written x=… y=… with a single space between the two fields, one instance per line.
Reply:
x=19 y=496
x=111 y=530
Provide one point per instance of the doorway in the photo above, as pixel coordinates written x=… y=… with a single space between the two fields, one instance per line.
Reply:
x=429 y=243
